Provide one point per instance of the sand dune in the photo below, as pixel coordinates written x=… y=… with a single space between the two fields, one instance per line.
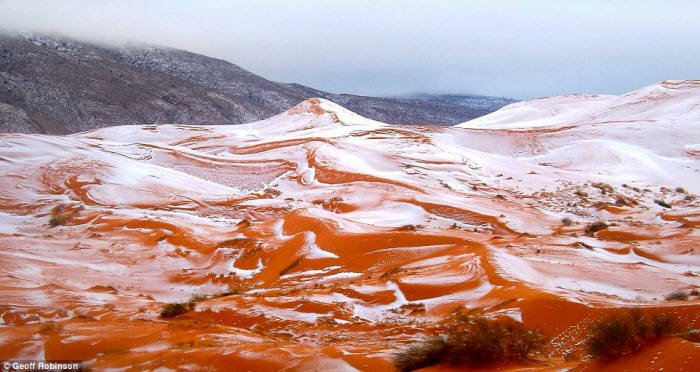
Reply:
x=340 y=240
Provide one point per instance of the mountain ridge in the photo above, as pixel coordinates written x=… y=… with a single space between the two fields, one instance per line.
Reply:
x=58 y=86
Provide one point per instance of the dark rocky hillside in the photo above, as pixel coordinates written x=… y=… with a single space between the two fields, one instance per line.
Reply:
x=51 y=85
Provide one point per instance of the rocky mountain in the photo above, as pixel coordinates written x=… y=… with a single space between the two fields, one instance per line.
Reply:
x=59 y=86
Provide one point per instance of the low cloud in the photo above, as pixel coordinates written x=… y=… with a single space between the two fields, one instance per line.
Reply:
x=507 y=48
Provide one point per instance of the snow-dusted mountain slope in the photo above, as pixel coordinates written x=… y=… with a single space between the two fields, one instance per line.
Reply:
x=57 y=86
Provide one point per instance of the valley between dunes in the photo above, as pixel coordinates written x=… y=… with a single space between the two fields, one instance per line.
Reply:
x=321 y=240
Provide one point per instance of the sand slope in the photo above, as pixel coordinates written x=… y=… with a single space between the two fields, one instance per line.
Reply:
x=343 y=239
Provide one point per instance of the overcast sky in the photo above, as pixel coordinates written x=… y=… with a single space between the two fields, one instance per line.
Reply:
x=519 y=49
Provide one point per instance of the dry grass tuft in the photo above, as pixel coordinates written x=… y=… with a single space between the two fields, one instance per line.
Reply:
x=603 y=187
x=677 y=295
x=662 y=203
x=409 y=227
x=627 y=331
x=175 y=309
x=595 y=227
x=289 y=267
x=61 y=214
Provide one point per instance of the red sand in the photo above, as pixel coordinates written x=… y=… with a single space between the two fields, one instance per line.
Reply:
x=319 y=288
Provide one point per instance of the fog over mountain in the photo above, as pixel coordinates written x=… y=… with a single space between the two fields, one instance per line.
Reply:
x=518 y=49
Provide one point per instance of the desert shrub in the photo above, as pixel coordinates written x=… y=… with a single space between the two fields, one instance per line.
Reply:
x=603 y=187
x=198 y=297
x=289 y=267
x=566 y=221
x=174 y=309
x=422 y=355
x=409 y=227
x=680 y=190
x=677 y=295
x=597 y=226
x=55 y=221
x=662 y=203
x=60 y=214
x=581 y=194
x=230 y=292
x=192 y=303
x=472 y=341
x=622 y=201
x=624 y=332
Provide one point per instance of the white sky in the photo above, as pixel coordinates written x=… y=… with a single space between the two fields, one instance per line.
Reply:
x=520 y=49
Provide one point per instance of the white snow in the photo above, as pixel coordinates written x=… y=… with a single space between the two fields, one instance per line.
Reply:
x=669 y=100
x=312 y=250
x=243 y=273
x=390 y=214
x=642 y=137
x=374 y=312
